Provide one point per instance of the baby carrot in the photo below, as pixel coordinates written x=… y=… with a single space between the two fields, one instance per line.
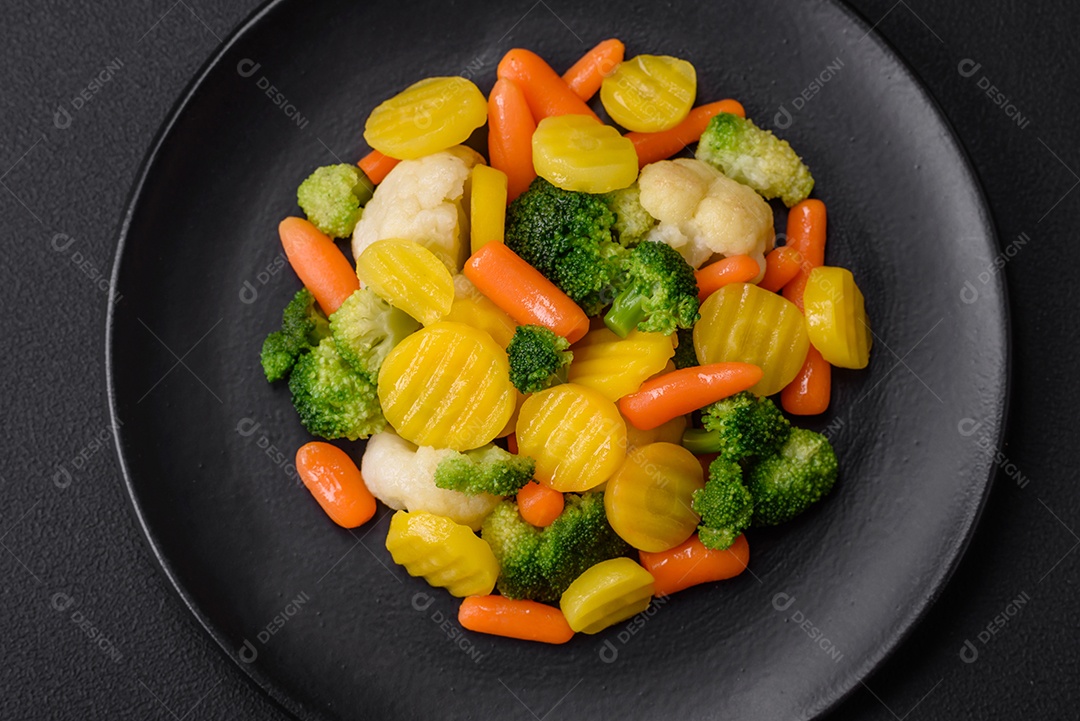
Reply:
x=808 y=394
x=733 y=269
x=526 y=620
x=691 y=563
x=510 y=130
x=376 y=166
x=806 y=234
x=781 y=265
x=544 y=90
x=322 y=268
x=335 y=481
x=538 y=504
x=677 y=393
x=526 y=295
x=584 y=76
x=660 y=145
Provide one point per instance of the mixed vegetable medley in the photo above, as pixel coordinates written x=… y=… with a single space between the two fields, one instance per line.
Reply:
x=564 y=356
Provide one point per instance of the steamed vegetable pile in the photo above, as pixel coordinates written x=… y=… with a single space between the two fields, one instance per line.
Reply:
x=564 y=356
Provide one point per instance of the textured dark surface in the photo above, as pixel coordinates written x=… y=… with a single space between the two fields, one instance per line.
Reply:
x=74 y=534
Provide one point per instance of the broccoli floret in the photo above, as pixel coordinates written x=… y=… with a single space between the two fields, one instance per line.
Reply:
x=538 y=358
x=566 y=235
x=658 y=294
x=333 y=400
x=302 y=327
x=740 y=428
x=366 y=328
x=332 y=198
x=632 y=221
x=685 y=355
x=485 y=470
x=725 y=505
x=785 y=485
x=540 y=563
x=755 y=157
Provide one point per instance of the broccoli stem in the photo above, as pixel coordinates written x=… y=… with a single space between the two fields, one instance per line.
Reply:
x=700 y=441
x=626 y=312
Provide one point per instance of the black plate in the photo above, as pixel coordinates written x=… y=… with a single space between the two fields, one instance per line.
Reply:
x=319 y=616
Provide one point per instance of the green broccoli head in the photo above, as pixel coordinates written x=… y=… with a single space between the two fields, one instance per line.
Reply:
x=632 y=221
x=741 y=428
x=725 y=505
x=540 y=563
x=755 y=157
x=489 y=469
x=685 y=355
x=302 y=327
x=366 y=328
x=658 y=293
x=538 y=358
x=785 y=485
x=332 y=198
x=566 y=235
x=332 y=399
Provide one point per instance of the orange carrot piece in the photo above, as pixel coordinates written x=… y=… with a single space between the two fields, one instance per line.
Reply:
x=511 y=443
x=733 y=269
x=808 y=394
x=510 y=130
x=376 y=166
x=544 y=90
x=781 y=265
x=335 y=481
x=525 y=620
x=806 y=234
x=665 y=143
x=538 y=504
x=677 y=393
x=691 y=563
x=524 y=293
x=585 y=76
x=322 y=268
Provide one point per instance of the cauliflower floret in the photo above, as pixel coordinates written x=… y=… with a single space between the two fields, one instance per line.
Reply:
x=702 y=212
x=423 y=200
x=402 y=476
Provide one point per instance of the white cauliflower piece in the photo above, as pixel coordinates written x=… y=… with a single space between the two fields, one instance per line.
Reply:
x=702 y=212
x=424 y=200
x=402 y=476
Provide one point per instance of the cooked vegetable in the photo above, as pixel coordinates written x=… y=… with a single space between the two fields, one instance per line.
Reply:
x=527 y=296
x=607 y=593
x=692 y=563
x=741 y=322
x=332 y=198
x=755 y=157
x=725 y=505
x=632 y=221
x=538 y=358
x=670 y=432
x=366 y=328
x=540 y=505
x=649 y=93
x=335 y=481
x=808 y=394
x=332 y=399
x=652 y=147
x=648 y=499
x=575 y=434
x=806 y=224
x=585 y=76
x=447 y=385
x=544 y=90
x=781 y=266
x=540 y=563
x=575 y=152
x=426 y=117
x=510 y=130
x=733 y=269
x=614 y=366
x=302 y=327
x=685 y=356
x=407 y=276
x=681 y=391
x=423 y=200
x=836 y=317
x=376 y=166
x=785 y=485
x=485 y=470
x=402 y=476
x=525 y=620
x=743 y=427
x=702 y=212
x=472 y=307
x=445 y=554
x=321 y=266
x=487 y=206
x=658 y=294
